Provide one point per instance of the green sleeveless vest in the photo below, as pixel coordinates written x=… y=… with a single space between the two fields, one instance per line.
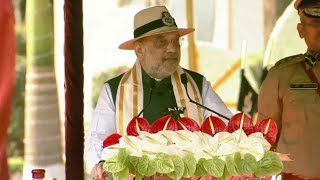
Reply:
x=162 y=94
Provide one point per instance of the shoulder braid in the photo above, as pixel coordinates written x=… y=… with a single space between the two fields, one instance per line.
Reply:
x=289 y=60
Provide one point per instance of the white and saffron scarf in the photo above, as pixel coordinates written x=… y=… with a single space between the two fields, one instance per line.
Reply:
x=129 y=100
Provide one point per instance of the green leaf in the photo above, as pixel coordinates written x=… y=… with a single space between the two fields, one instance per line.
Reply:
x=247 y=165
x=147 y=167
x=131 y=163
x=190 y=163
x=214 y=166
x=123 y=155
x=112 y=165
x=178 y=171
x=231 y=166
x=200 y=171
x=165 y=164
x=122 y=175
x=270 y=164
x=225 y=175
x=118 y=162
x=138 y=176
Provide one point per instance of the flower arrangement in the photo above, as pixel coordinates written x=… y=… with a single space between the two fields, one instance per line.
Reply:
x=182 y=148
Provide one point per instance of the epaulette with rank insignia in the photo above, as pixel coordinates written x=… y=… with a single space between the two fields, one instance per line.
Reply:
x=290 y=60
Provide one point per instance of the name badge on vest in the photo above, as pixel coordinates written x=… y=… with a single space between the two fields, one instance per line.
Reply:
x=306 y=86
x=176 y=109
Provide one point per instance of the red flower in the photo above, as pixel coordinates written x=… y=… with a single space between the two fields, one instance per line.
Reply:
x=164 y=123
x=111 y=140
x=212 y=125
x=136 y=125
x=235 y=121
x=186 y=123
x=269 y=129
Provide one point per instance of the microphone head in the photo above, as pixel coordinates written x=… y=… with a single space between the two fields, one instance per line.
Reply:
x=183 y=78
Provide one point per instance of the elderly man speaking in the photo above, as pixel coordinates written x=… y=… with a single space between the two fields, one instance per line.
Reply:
x=152 y=84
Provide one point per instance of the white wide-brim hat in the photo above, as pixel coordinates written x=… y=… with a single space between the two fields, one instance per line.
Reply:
x=152 y=21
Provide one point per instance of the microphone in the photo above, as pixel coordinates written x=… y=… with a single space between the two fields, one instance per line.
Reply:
x=152 y=85
x=184 y=81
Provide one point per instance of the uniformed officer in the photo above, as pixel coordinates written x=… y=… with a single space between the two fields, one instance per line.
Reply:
x=290 y=95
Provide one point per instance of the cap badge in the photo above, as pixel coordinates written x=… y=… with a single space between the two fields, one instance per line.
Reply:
x=167 y=19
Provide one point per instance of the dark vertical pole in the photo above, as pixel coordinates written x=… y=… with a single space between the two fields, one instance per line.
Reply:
x=73 y=50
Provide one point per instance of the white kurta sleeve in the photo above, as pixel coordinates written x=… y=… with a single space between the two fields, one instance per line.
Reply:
x=102 y=125
x=212 y=100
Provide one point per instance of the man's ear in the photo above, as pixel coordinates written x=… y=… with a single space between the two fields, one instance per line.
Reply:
x=300 y=30
x=139 y=49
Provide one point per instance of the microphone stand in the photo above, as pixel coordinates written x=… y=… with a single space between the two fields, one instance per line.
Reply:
x=184 y=81
x=152 y=85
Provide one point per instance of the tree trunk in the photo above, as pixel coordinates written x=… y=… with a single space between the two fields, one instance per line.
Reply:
x=43 y=145
x=270 y=17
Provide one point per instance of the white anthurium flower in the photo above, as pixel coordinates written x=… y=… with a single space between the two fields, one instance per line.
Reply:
x=200 y=141
x=155 y=138
x=150 y=146
x=185 y=135
x=184 y=142
x=194 y=148
x=203 y=154
x=132 y=144
x=182 y=138
x=144 y=145
x=171 y=149
x=226 y=144
x=180 y=142
x=203 y=139
x=136 y=153
x=169 y=136
x=223 y=138
x=240 y=135
x=110 y=151
x=259 y=137
x=252 y=146
x=205 y=144
x=227 y=149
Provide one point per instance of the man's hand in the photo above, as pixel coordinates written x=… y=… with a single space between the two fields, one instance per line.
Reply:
x=98 y=173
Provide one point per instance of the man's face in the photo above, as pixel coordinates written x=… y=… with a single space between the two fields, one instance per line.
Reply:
x=309 y=29
x=159 y=55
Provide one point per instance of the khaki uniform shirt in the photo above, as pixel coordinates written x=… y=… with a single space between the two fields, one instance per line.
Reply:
x=297 y=112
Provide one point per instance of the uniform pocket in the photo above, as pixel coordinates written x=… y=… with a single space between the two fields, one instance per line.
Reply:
x=295 y=103
x=292 y=130
x=301 y=97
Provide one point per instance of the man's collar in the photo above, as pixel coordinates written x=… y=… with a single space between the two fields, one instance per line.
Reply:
x=311 y=58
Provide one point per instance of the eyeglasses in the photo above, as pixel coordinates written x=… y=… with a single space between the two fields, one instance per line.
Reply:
x=163 y=42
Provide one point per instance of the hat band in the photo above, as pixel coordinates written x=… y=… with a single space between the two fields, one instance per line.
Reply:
x=150 y=26
x=312 y=12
